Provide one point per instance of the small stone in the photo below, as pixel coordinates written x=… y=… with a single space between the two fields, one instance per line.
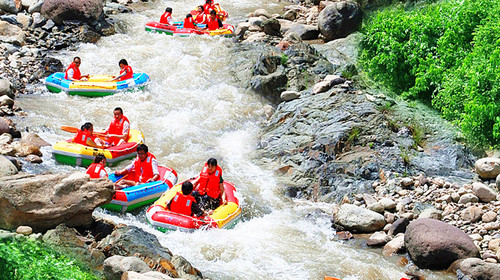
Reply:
x=376 y=207
x=472 y=214
x=483 y=192
x=489 y=216
x=394 y=246
x=24 y=230
x=406 y=182
x=399 y=226
x=344 y=235
x=378 y=238
x=476 y=237
x=468 y=197
x=388 y=203
x=289 y=95
x=33 y=159
x=369 y=199
x=389 y=217
x=491 y=260
x=455 y=197
x=494 y=244
x=321 y=87
x=431 y=213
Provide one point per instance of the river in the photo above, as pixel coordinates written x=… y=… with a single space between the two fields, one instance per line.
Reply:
x=190 y=112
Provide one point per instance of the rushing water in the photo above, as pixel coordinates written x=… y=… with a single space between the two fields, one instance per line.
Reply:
x=189 y=112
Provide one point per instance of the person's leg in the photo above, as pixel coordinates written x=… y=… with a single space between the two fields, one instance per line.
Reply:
x=211 y=203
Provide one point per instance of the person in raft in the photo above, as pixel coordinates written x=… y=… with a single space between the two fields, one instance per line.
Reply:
x=184 y=203
x=189 y=22
x=213 y=22
x=209 y=186
x=166 y=18
x=84 y=136
x=73 y=71
x=145 y=168
x=201 y=17
x=125 y=71
x=208 y=7
x=96 y=169
x=118 y=130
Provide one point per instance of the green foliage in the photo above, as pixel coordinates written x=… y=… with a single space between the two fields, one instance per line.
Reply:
x=353 y=135
x=417 y=133
x=385 y=108
x=23 y=259
x=284 y=59
x=447 y=53
x=405 y=156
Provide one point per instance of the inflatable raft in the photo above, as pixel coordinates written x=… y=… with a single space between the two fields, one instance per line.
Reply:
x=97 y=85
x=178 y=29
x=71 y=153
x=225 y=216
x=130 y=198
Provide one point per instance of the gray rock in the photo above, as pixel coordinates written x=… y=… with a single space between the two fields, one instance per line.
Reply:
x=6 y=101
x=431 y=213
x=434 y=244
x=477 y=269
x=357 y=219
x=9 y=6
x=36 y=7
x=271 y=27
x=48 y=25
x=483 y=192
x=388 y=203
x=339 y=19
x=376 y=207
x=185 y=269
x=379 y=238
x=83 y=10
x=24 y=230
x=241 y=28
x=38 y=20
x=6 y=88
x=12 y=34
x=45 y=201
x=289 y=95
x=394 y=246
x=399 y=226
x=152 y=275
x=261 y=12
x=472 y=214
x=255 y=21
x=34 y=159
x=115 y=266
x=7 y=168
x=290 y=15
x=303 y=31
x=488 y=168
x=468 y=197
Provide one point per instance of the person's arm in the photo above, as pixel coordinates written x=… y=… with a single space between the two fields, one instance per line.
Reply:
x=196 y=210
x=221 y=189
x=92 y=143
x=125 y=170
x=220 y=23
x=119 y=76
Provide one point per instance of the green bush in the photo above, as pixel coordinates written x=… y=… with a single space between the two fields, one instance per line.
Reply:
x=446 y=53
x=22 y=259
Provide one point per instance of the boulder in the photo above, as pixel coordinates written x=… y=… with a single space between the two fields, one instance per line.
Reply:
x=7 y=168
x=10 y=33
x=477 y=269
x=339 y=19
x=133 y=241
x=34 y=140
x=483 y=192
x=394 y=246
x=488 y=168
x=70 y=242
x=44 y=201
x=289 y=95
x=83 y=10
x=271 y=27
x=152 y=275
x=9 y=6
x=184 y=268
x=115 y=266
x=434 y=244
x=379 y=238
x=25 y=149
x=305 y=32
x=6 y=88
x=357 y=219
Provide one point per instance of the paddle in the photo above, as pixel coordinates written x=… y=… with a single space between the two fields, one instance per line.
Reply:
x=73 y=129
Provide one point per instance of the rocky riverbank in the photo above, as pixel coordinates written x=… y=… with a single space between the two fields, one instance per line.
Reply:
x=388 y=163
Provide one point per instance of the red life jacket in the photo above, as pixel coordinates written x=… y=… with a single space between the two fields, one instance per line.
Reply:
x=207 y=8
x=189 y=23
x=94 y=170
x=182 y=204
x=129 y=75
x=209 y=183
x=82 y=136
x=144 y=169
x=116 y=127
x=213 y=24
x=76 y=72
x=164 y=17
x=201 y=18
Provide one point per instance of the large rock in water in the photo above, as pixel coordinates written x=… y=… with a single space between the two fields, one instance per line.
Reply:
x=434 y=244
x=6 y=88
x=44 y=201
x=339 y=19
x=357 y=219
x=6 y=167
x=488 y=168
x=477 y=268
x=61 y=10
